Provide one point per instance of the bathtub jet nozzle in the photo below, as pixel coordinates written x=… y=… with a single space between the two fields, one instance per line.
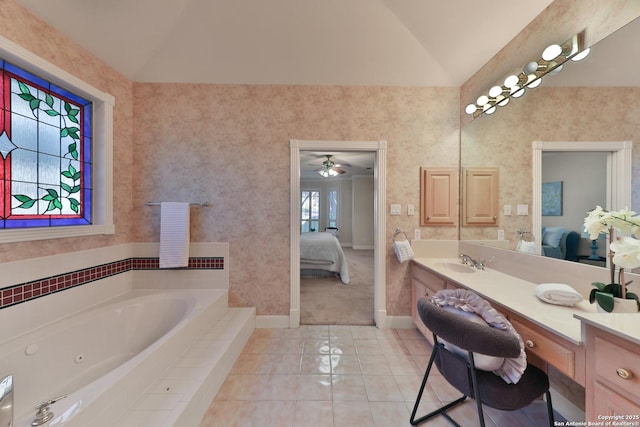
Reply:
x=44 y=414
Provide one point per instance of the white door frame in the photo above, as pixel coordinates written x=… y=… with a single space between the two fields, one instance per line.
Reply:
x=380 y=148
x=619 y=171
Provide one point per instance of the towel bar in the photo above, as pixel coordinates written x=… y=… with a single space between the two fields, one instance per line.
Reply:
x=204 y=204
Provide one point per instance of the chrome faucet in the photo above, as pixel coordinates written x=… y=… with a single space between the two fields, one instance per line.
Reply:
x=44 y=414
x=467 y=260
x=6 y=401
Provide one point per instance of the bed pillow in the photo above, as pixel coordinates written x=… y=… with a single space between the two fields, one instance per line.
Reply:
x=552 y=236
x=482 y=361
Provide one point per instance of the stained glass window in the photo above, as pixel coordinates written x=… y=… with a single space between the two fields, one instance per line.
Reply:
x=45 y=153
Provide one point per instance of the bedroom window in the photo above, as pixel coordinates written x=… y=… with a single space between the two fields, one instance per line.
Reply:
x=332 y=207
x=309 y=210
x=56 y=148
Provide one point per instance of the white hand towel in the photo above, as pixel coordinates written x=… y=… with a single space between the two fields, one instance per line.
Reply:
x=174 y=235
x=403 y=250
x=526 y=247
x=558 y=294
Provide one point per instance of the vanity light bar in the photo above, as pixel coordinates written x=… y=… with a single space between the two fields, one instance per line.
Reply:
x=514 y=86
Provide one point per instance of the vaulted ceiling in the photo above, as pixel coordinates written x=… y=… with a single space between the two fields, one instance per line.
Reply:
x=328 y=42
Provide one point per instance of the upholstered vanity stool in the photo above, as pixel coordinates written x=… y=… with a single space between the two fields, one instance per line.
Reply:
x=460 y=370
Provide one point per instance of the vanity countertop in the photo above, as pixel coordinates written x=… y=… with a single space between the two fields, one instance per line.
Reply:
x=519 y=296
x=624 y=325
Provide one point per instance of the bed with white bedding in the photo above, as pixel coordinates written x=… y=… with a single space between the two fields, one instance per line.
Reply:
x=322 y=251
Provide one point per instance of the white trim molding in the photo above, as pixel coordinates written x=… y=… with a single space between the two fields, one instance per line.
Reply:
x=102 y=149
x=380 y=149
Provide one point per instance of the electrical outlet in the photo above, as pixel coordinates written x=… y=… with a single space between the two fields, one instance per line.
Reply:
x=507 y=210
x=411 y=210
x=416 y=234
x=500 y=234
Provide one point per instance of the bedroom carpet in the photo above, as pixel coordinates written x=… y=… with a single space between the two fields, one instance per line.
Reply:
x=326 y=301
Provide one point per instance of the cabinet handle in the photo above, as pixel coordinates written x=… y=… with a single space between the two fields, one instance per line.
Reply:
x=426 y=293
x=530 y=343
x=624 y=373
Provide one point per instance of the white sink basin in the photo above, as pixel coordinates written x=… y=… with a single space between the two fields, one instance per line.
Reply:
x=458 y=268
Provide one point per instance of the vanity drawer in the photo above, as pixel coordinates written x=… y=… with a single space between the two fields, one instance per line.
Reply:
x=548 y=350
x=430 y=280
x=618 y=366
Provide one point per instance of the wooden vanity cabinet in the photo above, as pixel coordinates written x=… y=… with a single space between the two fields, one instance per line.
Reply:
x=545 y=348
x=423 y=285
x=613 y=376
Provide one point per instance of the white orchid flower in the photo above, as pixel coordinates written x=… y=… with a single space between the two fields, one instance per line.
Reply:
x=626 y=252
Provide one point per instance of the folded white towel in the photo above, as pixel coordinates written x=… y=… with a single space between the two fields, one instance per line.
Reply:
x=174 y=235
x=526 y=247
x=403 y=250
x=558 y=294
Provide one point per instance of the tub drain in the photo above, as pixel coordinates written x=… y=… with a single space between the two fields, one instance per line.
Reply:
x=79 y=358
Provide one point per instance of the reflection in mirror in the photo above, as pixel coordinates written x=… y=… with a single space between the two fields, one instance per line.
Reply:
x=597 y=99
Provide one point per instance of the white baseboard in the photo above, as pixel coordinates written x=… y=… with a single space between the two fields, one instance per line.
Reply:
x=400 y=322
x=272 y=322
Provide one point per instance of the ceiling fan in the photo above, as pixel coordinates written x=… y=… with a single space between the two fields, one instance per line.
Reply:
x=329 y=168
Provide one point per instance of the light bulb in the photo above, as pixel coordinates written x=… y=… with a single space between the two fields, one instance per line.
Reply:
x=470 y=109
x=535 y=83
x=511 y=81
x=504 y=101
x=482 y=100
x=531 y=67
x=495 y=91
x=580 y=56
x=556 y=70
x=491 y=110
x=551 y=52
x=517 y=92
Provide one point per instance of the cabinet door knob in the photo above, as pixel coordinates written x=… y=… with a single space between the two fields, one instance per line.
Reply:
x=530 y=343
x=426 y=293
x=624 y=373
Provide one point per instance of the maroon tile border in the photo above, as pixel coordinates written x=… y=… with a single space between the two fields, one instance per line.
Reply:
x=23 y=292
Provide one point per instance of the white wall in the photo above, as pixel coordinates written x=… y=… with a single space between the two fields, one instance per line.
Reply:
x=363 y=209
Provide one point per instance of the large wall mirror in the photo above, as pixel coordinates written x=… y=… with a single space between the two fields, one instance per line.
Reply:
x=595 y=100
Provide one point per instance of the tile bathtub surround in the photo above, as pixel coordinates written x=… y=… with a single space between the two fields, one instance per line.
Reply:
x=335 y=376
x=24 y=292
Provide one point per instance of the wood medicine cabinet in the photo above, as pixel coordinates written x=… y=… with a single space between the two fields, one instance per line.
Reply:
x=480 y=197
x=438 y=196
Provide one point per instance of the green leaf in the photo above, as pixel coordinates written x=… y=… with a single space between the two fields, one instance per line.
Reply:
x=27 y=201
x=605 y=301
x=67 y=107
x=23 y=87
x=631 y=295
x=27 y=97
x=51 y=206
x=65 y=187
x=67 y=174
x=53 y=193
x=75 y=205
x=73 y=112
x=57 y=204
x=74 y=154
x=64 y=132
x=49 y=101
x=75 y=189
x=71 y=169
x=76 y=176
x=73 y=119
x=34 y=104
x=48 y=198
x=52 y=113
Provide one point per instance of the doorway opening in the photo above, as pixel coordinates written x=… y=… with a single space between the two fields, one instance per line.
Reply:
x=379 y=149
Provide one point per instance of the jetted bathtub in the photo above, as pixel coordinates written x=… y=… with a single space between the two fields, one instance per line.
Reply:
x=105 y=357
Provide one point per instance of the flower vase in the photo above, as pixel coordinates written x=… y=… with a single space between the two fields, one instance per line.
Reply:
x=621 y=305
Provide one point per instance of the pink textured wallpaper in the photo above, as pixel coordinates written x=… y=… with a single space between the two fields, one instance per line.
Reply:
x=19 y=26
x=229 y=145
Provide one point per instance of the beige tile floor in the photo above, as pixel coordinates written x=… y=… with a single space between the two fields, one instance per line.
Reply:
x=341 y=376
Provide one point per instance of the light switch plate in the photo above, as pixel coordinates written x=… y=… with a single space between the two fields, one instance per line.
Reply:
x=507 y=210
x=523 y=209
x=500 y=234
x=416 y=234
x=411 y=210
x=396 y=209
